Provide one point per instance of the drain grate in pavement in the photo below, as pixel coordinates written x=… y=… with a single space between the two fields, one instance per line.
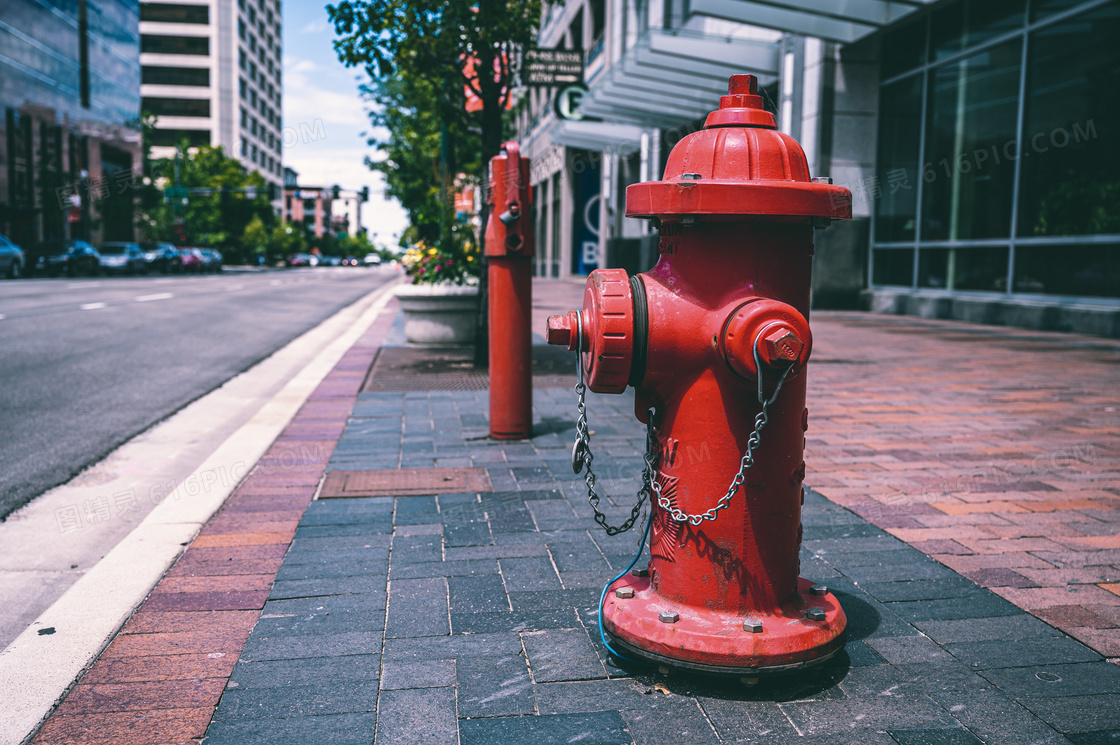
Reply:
x=406 y=482
x=452 y=369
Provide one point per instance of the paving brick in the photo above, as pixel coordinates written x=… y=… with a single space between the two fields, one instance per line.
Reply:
x=418 y=607
x=457 y=646
x=999 y=577
x=529 y=574
x=322 y=586
x=900 y=651
x=997 y=628
x=140 y=727
x=935 y=737
x=600 y=728
x=556 y=655
x=484 y=593
x=339 y=729
x=323 y=671
x=1040 y=681
x=205 y=641
x=396 y=675
x=494 y=686
x=844 y=716
x=995 y=654
x=145 y=696
x=310 y=645
x=293 y=701
x=148 y=623
x=1078 y=713
x=670 y=723
x=979 y=606
x=166 y=667
x=204 y=601
x=420 y=715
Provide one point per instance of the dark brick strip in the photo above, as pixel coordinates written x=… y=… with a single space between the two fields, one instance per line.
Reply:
x=159 y=680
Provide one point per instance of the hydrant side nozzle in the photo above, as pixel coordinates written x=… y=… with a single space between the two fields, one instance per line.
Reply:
x=779 y=345
x=563 y=330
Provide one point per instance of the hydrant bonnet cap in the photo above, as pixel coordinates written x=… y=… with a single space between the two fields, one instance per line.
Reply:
x=739 y=164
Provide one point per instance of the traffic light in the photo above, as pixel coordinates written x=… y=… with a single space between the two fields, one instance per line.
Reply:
x=335 y=191
x=365 y=194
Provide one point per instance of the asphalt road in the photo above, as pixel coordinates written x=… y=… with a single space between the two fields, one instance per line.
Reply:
x=86 y=364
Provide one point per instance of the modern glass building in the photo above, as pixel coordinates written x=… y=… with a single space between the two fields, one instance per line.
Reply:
x=69 y=130
x=979 y=139
x=999 y=144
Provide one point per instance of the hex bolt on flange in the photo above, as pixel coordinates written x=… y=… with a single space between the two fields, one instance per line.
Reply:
x=640 y=572
x=624 y=592
x=669 y=616
x=815 y=614
x=819 y=590
x=752 y=625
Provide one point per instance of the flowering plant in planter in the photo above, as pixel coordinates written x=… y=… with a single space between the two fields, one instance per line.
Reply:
x=431 y=265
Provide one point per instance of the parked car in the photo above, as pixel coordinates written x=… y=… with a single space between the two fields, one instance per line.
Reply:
x=126 y=258
x=349 y=261
x=71 y=258
x=211 y=259
x=300 y=260
x=162 y=257
x=191 y=259
x=372 y=260
x=11 y=259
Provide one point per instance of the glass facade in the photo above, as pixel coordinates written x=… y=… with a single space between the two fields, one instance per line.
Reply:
x=68 y=68
x=998 y=150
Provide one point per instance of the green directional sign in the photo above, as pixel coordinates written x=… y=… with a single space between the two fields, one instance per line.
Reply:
x=176 y=192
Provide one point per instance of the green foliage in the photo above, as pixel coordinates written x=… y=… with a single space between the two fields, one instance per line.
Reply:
x=219 y=219
x=418 y=56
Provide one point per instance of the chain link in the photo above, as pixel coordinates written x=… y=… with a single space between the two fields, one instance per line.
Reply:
x=582 y=457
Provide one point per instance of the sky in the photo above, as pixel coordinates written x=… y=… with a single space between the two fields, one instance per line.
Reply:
x=325 y=120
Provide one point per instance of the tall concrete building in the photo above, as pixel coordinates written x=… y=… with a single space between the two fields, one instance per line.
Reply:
x=211 y=74
x=978 y=137
x=69 y=119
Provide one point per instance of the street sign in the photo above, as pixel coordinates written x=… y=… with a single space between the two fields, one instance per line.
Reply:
x=176 y=192
x=568 y=100
x=545 y=68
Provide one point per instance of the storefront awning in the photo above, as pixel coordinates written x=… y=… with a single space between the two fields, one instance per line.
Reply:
x=621 y=139
x=833 y=20
x=670 y=78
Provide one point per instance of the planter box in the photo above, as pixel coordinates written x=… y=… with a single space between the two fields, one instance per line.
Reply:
x=439 y=315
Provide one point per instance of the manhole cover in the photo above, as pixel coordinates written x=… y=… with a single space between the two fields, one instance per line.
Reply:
x=409 y=482
x=452 y=369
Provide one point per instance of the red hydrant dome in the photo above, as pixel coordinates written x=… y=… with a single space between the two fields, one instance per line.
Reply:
x=739 y=164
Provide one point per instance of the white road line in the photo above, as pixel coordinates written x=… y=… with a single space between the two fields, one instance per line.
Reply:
x=93 y=306
x=2 y=316
x=157 y=296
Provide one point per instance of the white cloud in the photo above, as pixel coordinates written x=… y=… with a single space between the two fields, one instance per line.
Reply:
x=307 y=97
x=317 y=26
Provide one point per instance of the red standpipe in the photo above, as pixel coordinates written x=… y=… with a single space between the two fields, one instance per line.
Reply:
x=509 y=253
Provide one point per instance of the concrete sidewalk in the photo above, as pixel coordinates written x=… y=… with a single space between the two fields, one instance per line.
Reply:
x=470 y=616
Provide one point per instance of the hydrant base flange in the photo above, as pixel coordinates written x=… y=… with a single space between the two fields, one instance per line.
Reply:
x=715 y=641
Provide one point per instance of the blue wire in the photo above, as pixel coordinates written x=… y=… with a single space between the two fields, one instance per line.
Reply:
x=603 y=596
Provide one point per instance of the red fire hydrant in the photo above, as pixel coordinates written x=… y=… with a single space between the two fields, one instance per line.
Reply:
x=509 y=253
x=715 y=341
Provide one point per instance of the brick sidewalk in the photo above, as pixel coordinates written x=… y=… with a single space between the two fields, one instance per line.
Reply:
x=471 y=618
x=996 y=451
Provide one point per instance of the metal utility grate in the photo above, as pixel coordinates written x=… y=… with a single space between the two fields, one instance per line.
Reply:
x=404 y=482
x=452 y=369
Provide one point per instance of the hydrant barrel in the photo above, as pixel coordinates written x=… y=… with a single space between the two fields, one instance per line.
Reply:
x=715 y=339
x=509 y=252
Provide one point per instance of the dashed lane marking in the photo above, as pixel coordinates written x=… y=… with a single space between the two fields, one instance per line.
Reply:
x=157 y=296
x=92 y=306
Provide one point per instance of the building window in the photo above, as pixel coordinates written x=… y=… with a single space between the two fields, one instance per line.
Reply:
x=175 y=137
x=174 y=13
x=241 y=58
x=157 y=44
x=241 y=29
x=243 y=87
x=994 y=175
x=193 y=76
x=244 y=118
x=199 y=107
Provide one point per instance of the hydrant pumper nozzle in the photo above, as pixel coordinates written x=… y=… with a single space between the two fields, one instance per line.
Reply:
x=715 y=340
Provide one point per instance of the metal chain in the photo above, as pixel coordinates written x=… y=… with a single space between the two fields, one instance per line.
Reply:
x=745 y=463
x=582 y=457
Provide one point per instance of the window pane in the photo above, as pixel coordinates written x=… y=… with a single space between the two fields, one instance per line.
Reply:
x=1071 y=169
x=176 y=106
x=198 y=76
x=893 y=266
x=900 y=111
x=963 y=268
x=1068 y=270
x=903 y=48
x=174 y=13
x=1043 y=8
x=973 y=108
x=966 y=23
x=156 y=44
